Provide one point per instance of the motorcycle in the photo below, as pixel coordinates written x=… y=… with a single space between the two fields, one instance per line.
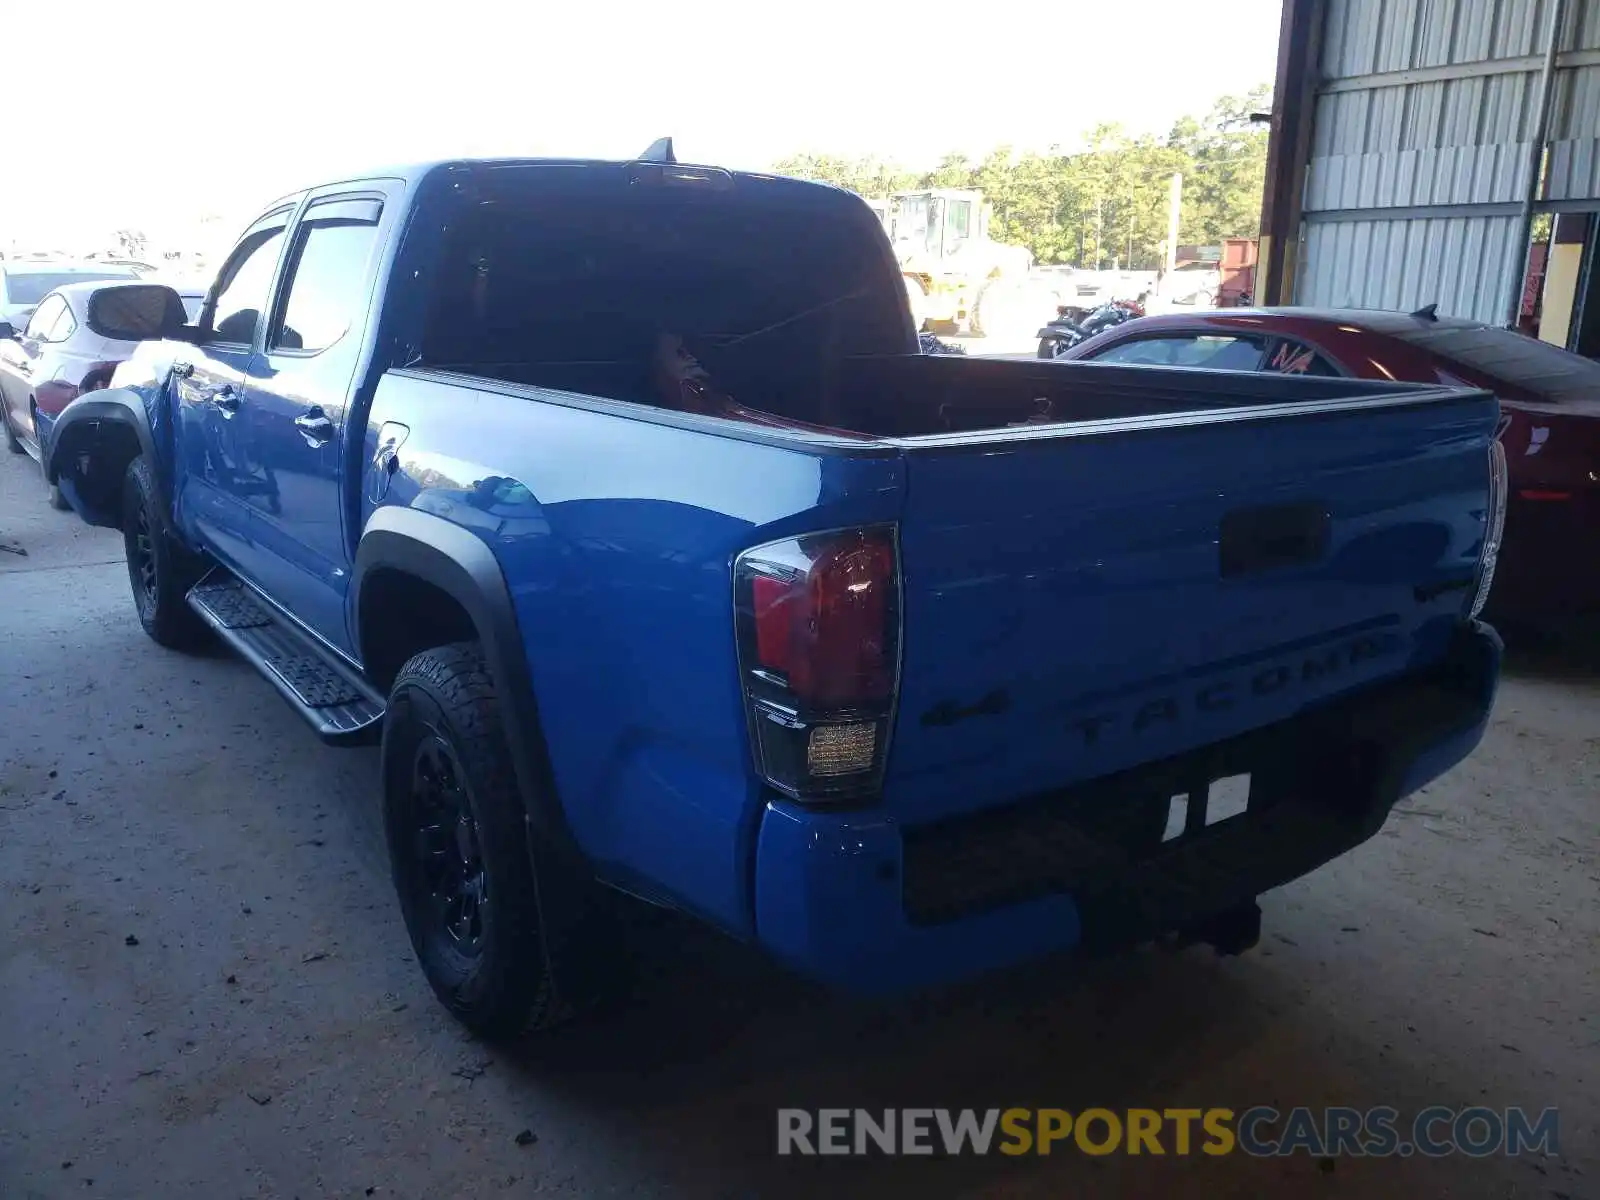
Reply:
x=1069 y=327
x=929 y=344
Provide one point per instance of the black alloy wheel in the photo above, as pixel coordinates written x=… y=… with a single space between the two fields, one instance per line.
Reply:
x=160 y=570
x=447 y=858
x=142 y=561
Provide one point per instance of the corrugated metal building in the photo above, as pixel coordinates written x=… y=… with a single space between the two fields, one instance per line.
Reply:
x=1405 y=141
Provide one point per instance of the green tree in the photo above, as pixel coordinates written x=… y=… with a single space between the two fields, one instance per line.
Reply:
x=1106 y=203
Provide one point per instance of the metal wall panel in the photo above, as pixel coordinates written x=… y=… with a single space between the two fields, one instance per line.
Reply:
x=1458 y=263
x=1368 y=37
x=1573 y=169
x=1434 y=104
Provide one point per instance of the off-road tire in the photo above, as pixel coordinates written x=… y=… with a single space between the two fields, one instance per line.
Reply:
x=989 y=308
x=160 y=572
x=500 y=983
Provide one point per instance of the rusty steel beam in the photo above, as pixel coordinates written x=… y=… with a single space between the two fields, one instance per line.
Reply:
x=1294 y=103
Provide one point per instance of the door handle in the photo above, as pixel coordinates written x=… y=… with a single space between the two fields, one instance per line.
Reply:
x=226 y=398
x=315 y=427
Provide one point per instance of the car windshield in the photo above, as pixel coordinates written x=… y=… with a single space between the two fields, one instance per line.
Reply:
x=30 y=287
x=1549 y=371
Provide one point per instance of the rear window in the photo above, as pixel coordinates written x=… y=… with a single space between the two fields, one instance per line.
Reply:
x=1214 y=352
x=1546 y=370
x=547 y=267
x=30 y=287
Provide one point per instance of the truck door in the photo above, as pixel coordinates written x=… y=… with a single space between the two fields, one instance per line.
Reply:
x=218 y=476
x=299 y=386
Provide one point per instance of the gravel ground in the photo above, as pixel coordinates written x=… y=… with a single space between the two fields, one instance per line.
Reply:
x=206 y=991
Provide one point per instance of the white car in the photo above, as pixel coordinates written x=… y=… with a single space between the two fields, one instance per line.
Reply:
x=72 y=344
x=1195 y=283
x=26 y=281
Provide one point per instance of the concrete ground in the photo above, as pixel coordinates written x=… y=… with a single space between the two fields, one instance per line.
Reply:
x=206 y=991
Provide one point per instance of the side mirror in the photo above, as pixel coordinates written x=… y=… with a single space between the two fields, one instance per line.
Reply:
x=7 y=333
x=137 y=312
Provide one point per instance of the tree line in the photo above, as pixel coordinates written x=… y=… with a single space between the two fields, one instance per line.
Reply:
x=1106 y=205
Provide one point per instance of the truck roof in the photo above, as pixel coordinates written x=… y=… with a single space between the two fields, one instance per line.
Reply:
x=415 y=173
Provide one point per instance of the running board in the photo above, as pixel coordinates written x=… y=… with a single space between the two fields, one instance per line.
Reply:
x=335 y=701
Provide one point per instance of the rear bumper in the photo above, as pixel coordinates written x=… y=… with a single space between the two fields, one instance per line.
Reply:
x=863 y=903
x=1550 y=563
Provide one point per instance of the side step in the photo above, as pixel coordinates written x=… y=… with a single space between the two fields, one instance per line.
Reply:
x=335 y=701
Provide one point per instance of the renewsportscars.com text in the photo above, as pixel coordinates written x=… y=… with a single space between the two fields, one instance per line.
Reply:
x=1261 y=1132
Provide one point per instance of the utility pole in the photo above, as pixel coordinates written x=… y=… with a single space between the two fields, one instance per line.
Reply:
x=1174 y=208
x=1099 y=231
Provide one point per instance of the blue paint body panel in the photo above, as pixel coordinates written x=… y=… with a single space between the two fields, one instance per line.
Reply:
x=1064 y=617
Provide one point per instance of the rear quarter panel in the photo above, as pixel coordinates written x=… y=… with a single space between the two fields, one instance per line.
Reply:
x=615 y=527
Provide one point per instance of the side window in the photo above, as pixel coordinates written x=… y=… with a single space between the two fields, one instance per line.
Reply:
x=1216 y=352
x=66 y=325
x=1296 y=358
x=246 y=282
x=961 y=219
x=44 y=318
x=327 y=283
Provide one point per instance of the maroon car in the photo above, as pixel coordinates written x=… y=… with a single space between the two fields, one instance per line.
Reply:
x=1550 y=563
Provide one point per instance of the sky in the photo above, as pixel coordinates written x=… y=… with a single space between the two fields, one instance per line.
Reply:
x=150 y=113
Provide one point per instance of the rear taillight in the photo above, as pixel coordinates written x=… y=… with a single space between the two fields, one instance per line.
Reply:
x=1493 y=528
x=819 y=658
x=97 y=376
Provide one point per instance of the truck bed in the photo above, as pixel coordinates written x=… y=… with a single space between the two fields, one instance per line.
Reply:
x=1080 y=594
x=914 y=395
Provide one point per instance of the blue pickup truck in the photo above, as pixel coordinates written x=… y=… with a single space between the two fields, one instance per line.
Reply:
x=615 y=501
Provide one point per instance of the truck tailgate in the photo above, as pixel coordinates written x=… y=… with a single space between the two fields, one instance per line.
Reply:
x=1082 y=598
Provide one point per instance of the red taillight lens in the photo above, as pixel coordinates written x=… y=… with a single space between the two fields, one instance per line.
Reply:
x=827 y=631
x=776 y=603
x=819 y=624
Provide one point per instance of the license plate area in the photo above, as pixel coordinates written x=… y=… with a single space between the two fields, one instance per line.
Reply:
x=1320 y=783
x=1084 y=841
x=1219 y=800
x=1157 y=847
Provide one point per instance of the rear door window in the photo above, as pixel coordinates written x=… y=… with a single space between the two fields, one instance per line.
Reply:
x=1216 y=352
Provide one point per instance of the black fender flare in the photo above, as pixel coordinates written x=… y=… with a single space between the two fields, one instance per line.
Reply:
x=121 y=407
x=463 y=566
